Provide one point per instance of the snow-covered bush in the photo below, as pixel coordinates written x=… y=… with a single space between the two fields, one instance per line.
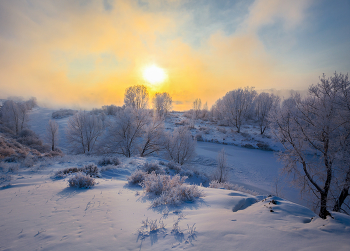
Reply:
x=63 y=113
x=81 y=180
x=179 y=146
x=28 y=161
x=31 y=139
x=172 y=191
x=137 y=177
x=91 y=170
x=5 y=178
x=221 y=129
x=52 y=154
x=150 y=167
x=63 y=173
x=199 y=136
x=9 y=167
x=109 y=161
x=264 y=146
x=178 y=195
x=174 y=166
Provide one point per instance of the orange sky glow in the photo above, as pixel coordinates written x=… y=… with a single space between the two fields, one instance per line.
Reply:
x=84 y=54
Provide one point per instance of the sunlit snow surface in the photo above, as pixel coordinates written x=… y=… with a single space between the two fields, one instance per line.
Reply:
x=39 y=212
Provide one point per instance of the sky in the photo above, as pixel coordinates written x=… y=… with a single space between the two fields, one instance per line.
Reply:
x=85 y=53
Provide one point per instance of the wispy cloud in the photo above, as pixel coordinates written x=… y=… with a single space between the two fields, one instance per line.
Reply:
x=86 y=53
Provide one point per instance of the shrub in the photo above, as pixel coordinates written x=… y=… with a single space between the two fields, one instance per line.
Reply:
x=249 y=146
x=29 y=161
x=222 y=130
x=137 y=177
x=67 y=171
x=63 y=113
x=91 y=170
x=179 y=146
x=5 y=178
x=52 y=154
x=171 y=190
x=174 y=166
x=9 y=167
x=109 y=161
x=264 y=146
x=152 y=167
x=81 y=180
x=29 y=138
x=199 y=137
x=178 y=195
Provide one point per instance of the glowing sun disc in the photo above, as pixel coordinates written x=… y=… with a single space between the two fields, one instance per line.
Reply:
x=154 y=74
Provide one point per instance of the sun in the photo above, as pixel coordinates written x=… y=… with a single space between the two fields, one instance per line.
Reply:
x=154 y=75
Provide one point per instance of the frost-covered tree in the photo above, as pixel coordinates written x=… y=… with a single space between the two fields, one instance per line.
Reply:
x=136 y=97
x=179 y=146
x=162 y=103
x=14 y=115
x=311 y=130
x=222 y=171
x=52 y=133
x=126 y=132
x=236 y=106
x=263 y=104
x=343 y=159
x=83 y=130
x=197 y=105
x=152 y=139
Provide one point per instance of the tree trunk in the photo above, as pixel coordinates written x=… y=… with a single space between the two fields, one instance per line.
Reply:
x=344 y=193
x=323 y=210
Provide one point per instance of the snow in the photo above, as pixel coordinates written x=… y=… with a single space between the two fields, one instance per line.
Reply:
x=40 y=212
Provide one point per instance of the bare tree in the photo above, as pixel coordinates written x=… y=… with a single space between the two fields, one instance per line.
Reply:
x=264 y=102
x=83 y=130
x=197 y=105
x=14 y=115
x=180 y=146
x=310 y=130
x=153 y=138
x=222 y=171
x=162 y=103
x=237 y=105
x=127 y=131
x=136 y=97
x=52 y=133
x=343 y=158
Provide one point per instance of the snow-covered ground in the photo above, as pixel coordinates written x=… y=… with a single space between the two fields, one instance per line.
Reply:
x=39 y=212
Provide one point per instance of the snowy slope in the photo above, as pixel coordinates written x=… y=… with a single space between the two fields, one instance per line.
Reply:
x=38 y=213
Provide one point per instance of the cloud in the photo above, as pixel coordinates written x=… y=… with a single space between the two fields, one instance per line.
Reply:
x=267 y=12
x=86 y=53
